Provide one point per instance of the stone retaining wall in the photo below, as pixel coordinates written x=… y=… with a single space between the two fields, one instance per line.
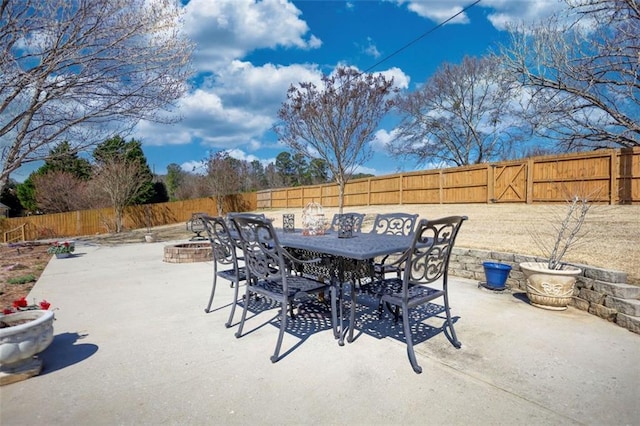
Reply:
x=601 y=292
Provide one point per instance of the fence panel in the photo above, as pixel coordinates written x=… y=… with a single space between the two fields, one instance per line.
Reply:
x=263 y=200
x=100 y=221
x=556 y=179
x=464 y=185
x=611 y=176
x=423 y=187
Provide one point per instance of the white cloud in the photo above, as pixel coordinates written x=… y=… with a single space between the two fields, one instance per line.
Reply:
x=511 y=12
x=224 y=30
x=237 y=107
x=382 y=139
x=197 y=167
x=439 y=11
x=371 y=49
x=504 y=12
x=400 y=79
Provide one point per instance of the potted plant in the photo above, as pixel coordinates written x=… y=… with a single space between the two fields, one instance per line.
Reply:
x=62 y=249
x=25 y=331
x=550 y=284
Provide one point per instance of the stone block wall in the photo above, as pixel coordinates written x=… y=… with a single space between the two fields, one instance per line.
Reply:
x=601 y=292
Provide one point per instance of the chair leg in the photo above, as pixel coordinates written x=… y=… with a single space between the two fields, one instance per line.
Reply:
x=213 y=290
x=454 y=339
x=235 y=285
x=334 y=314
x=244 y=313
x=409 y=339
x=283 y=326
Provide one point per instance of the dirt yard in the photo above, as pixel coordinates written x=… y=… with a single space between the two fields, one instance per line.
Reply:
x=612 y=237
x=611 y=233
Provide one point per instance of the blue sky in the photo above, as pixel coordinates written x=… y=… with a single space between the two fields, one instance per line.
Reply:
x=248 y=53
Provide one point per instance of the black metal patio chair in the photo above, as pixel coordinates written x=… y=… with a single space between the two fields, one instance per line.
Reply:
x=269 y=274
x=223 y=247
x=426 y=264
x=391 y=224
x=356 y=221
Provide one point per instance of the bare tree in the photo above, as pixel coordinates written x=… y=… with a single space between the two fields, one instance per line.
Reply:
x=192 y=186
x=581 y=68
x=225 y=176
x=83 y=71
x=121 y=181
x=463 y=115
x=60 y=191
x=337 y=121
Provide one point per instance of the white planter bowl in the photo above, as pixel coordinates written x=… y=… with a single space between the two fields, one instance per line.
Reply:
x=19 y=343
x=549 y=288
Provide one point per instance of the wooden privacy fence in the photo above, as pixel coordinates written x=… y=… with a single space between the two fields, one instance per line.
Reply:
x=101 y=221
x=607 y=176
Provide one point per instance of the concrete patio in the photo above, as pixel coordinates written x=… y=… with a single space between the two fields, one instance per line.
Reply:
x=134 y=346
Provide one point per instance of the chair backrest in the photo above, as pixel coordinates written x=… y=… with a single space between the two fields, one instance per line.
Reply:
x=222 y=244
x=263 y=254
x=431 y=249
x=247 y=214
x=394 y=224
x=356 y=218
x=231 y=224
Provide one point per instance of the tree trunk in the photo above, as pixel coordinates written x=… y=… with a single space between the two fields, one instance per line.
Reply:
x=219 y=205
x=118 y=219
x=340 y=196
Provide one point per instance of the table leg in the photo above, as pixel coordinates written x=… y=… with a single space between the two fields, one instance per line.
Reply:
x=352 y=316
x=341 y=314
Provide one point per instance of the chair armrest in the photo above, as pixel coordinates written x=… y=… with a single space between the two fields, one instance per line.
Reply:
x=397 y=262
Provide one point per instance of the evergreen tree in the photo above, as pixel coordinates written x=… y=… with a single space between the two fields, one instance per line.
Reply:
x=60 y=159
x=175 y=178
x=117 y=150
x=9 y=198
x=285 y=168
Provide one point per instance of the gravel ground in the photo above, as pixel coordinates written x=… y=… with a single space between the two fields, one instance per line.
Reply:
x=611 y=240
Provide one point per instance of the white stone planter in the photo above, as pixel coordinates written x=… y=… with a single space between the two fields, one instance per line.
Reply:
x=549 y=288
x=20 y=343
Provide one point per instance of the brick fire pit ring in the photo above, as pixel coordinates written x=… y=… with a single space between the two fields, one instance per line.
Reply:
x=188 y=253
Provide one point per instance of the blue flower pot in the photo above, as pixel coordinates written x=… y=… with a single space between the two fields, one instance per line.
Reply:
x=496 y=273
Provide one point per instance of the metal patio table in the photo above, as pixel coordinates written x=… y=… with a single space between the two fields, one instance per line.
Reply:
x=359 y=247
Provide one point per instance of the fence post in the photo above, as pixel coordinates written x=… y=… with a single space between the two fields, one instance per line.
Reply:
x=529 y=184
x=614 y=170
x=491 y=183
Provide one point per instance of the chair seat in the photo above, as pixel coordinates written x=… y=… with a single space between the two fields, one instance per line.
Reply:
x=391 y=291
x=381 y=269
x=230 y=274
x=297 y=285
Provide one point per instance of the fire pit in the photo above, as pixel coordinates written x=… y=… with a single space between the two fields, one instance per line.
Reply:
x=188 y=252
